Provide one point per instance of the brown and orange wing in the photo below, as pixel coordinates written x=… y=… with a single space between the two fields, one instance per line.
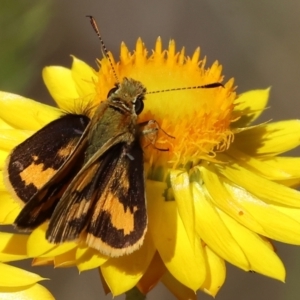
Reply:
x=105 y=202
x=39 y=169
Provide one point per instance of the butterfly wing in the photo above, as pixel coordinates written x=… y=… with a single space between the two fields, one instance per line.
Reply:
x=119 y=220
x=33 y=165
x=106 y=201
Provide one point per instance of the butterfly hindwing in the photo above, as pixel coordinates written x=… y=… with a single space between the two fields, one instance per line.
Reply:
x=119 y=220
x=33 y=164
x=106 y=202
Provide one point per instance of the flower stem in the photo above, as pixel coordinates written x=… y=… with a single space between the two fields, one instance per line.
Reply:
x=134 y=294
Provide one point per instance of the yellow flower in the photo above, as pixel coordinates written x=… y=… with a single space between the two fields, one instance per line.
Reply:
x=219 y=194
x=17 y=283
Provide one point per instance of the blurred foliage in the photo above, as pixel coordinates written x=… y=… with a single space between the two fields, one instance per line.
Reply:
x=22 y=24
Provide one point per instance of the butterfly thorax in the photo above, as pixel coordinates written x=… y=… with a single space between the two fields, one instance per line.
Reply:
x=118 y=115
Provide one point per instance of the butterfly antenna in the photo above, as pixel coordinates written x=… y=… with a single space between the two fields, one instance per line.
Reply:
x=205 y=86
x=95 y=27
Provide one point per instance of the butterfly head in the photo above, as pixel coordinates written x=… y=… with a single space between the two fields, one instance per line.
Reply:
x=129 y=94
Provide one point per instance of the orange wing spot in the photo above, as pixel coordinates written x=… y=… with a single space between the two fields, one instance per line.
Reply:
x=34 y=174
x=120 y=218
x=79 y=209
x=66 y=151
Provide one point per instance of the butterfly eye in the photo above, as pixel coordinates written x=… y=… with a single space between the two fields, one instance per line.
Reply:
x=139 y=104
x=113 y=90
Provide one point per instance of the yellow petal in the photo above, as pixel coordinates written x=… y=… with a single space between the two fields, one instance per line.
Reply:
x=270 y=168
x=10 y=138
x=181 y=188
x=3 y=157
x=277 y=224
x=216 y=273
x=13 y=246
x=154 y=191
x=15 y=277
x=66 y=259
x=32 y=292
x=38 y=245
x=104 y=284
x=88 y=258
x=184 y=261
x=53 y=251
x=292 y=183
x=61 y=86
x=288 y=165
x=264 y=189
x=269 y=139
x=11 y=216
x=2 y=187
x=252 y=104
x=9 y=208
x=3 y=124
x=123 y=273
x=180 y=291
x=224 y=200
x=42 y=261
x=261 y=258
x=84 y=77
x=213 y=231
x=291 y=212
x=152 y=276
x=24 y=113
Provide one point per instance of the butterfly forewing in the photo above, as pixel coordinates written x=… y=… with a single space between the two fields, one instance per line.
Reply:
x=34 y=164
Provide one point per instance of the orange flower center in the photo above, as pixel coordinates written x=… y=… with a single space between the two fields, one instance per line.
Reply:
x=198 y=119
